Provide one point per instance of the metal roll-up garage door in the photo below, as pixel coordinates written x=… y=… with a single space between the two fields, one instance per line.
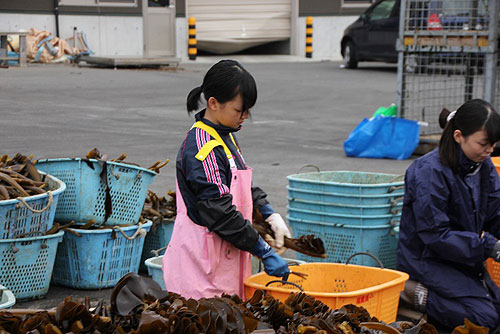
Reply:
x=227 y=26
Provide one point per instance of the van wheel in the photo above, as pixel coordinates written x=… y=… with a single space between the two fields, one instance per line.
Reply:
x=349 y=53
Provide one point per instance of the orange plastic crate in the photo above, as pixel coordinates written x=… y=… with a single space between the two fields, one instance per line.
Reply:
x=492 y=266
x=337 y=284
x=494 y=270
x=496 y=162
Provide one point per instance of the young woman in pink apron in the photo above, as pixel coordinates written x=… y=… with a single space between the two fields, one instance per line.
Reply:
x=209 y=252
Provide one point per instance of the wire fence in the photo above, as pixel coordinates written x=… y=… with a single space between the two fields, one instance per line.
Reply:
x=447 y=55
x=460 y=15
x=439 y=80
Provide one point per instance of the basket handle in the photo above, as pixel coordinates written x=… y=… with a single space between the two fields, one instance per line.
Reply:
x=293 y=263
x=394 y=223
x=285 y=282
x=140 y=232
x=395 y=211
x=42 y=246
x=396 y=177
x=396 y=200
x=366 y=253
x=392 y=188
x=49 y=203
x=24 y=235
x=313 y=166
x=156 y=252
x=111 y=170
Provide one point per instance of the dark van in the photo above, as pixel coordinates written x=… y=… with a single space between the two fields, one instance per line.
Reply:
x=372 y=37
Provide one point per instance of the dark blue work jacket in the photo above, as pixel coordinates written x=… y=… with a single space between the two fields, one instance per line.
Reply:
x=441 y=241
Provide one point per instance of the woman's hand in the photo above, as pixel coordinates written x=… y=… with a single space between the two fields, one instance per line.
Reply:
x=274 y=264
x=280 y=230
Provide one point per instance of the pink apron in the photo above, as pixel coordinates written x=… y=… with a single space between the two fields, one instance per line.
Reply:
x=198 y=263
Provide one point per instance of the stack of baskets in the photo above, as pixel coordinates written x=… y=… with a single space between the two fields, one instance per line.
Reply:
x=351 y=211
x=112 y=194
x=27 y=255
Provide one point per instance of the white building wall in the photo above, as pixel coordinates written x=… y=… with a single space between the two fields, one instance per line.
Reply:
x=122 y=36
x=327 y=34
x=106 y=35
x=16 y=22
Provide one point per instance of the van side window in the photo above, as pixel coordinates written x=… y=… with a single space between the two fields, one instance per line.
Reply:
x=382 y=10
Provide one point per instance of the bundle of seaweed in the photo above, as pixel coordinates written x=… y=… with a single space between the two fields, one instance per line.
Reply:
x=19 y=177
x=139 y=306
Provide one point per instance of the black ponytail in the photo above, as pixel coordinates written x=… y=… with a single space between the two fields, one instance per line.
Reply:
x=443 y=117
x=193 y=99
x=447 y=145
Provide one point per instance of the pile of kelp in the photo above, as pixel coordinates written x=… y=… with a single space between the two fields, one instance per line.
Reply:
x=19 y=177
x=97 y=155
x=160 y=210
x=139 y=306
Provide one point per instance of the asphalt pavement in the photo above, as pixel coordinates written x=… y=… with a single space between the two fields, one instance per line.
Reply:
x=304 y=112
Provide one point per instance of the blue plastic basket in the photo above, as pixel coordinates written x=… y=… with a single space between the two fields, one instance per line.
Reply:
x=7 y=298
x=345 y=209
x=96 y=259
x=154 y=265
x=343 y=219
x=26 y=264
x=86 y=193
x=351 y=199
x=156 y=240
x=16 y=219
x=347 y=182
x=342 y=241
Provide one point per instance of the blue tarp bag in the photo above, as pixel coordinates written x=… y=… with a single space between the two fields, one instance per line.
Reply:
x=383 y=137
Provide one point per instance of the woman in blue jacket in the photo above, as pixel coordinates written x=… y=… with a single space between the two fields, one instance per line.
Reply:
x=450 y=222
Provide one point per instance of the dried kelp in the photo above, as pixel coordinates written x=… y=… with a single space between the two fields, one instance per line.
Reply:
x=305 y=244
x=139 y=306
x=19 y=177
x=159 y=210
x=96 y=154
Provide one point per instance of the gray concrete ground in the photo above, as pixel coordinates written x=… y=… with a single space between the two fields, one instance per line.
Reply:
x=305 y=111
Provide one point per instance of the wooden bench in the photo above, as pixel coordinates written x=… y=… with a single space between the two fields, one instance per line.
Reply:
x=4 y=58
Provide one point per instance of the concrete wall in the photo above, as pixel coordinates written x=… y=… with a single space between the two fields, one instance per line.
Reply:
x=327 y=34
x=181 y=38
x=122 y=35
x=106 y=35
x=17 y=21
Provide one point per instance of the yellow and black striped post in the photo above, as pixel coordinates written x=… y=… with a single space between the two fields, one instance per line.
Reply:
x=192 y=51
x=309 y=37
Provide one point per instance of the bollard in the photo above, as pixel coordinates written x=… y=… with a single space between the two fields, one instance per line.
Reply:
x=309 y=37
x=192 y=51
